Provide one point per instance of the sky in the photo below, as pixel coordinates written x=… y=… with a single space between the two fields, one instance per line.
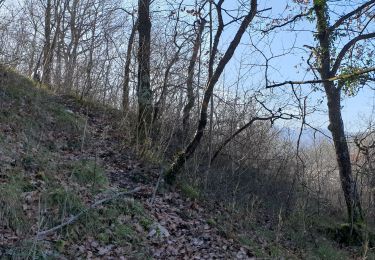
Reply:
x=356 y=110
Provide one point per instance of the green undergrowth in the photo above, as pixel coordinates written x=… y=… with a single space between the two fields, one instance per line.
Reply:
x=29 y=109
x=11 y=212
x=351 y=235
x=119 y=222
x=296 y=236
x=45 y=179
x=28 y=249
x=114 y=223
x=189 y=191
x=60 y=203
x=89 y=172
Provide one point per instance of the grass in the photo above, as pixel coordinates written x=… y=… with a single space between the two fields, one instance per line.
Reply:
x=36 y=128
x=298 y=236
x=118 y=222
x=325 y=250
x=123 y=232
x=27 y=249
x=11 y=211
x=189 y=191
x=66 y=120
x=115 y=224
x=66 y=201
x=88 y=172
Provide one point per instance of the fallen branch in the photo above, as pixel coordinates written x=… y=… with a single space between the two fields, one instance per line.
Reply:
x=73 y=219
x=161 y=175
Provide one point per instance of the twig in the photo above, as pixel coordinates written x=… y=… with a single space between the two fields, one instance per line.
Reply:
x=84 y=130
x=161 y=175
x=73 y=219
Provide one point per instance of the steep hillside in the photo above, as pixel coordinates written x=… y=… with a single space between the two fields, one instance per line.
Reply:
x=71 y=188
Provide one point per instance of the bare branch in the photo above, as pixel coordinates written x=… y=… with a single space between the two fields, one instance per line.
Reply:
x=317 y=81
x=348 y=15
x=271 y=118
x=294 y=19
x=346 y=47
x=180 y=160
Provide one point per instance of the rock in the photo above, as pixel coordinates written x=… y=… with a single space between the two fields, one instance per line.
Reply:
x=158 y=230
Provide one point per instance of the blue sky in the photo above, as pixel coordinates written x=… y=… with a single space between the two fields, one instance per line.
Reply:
x=356 y=110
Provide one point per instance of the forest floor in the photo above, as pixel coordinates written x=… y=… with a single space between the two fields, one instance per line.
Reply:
x=61 y=158
x=58 y=156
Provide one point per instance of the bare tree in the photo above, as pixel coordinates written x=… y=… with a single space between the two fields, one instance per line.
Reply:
x=181 y=158
x=190 y=77
x=46 y=78
x=329 y=63
x=125 y=93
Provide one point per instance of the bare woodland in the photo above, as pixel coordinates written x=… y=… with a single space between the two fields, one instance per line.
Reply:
x=203 y=91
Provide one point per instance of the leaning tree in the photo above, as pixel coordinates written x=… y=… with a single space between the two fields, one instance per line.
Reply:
x=214 y=75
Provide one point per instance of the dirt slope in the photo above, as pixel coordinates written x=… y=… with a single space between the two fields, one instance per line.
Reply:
x=58 y=156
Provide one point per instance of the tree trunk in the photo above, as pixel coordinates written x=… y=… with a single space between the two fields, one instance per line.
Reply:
x=348 y=183
x=46 y=77
x=71 y=56
x=144 y=88
x=190 y=80
x=181 y=158
x=336 y=125
x=160 y=104
x=33 y=51
x=125 y=93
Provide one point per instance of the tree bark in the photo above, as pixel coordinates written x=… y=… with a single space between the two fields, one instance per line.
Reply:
x=336 y=125
x=46 y=77
x=125 y=89
x=71 y=56
x=144 y=88
x=190 y=79
x=348 y=183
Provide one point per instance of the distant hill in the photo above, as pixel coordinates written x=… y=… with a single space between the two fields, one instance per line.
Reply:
x=308 y=135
